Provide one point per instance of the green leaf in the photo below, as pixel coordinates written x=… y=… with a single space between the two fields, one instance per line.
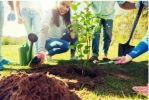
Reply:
x=74 y=6
x=85 y=51
x=79 y=45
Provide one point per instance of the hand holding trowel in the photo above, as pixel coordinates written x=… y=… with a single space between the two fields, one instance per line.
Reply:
x=104 y=63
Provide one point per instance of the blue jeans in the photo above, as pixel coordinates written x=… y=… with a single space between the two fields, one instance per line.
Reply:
x=107 y=35
x=32 y=22
x=1 y=24
x=57 y=46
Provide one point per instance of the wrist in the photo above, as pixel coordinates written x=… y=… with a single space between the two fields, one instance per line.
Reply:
x=128 y=58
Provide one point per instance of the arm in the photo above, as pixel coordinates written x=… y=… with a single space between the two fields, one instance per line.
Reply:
x=11 y=5
x=11 y=15
x=45 y=25
x=141 y=48
x=127 y=5
x=20 y=20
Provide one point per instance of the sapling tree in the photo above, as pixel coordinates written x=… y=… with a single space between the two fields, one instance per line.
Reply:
x=83 y=23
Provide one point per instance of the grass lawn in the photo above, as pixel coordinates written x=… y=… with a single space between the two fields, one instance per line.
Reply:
x=116 y=85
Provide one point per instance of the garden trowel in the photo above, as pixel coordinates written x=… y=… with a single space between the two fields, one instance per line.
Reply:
x=104 y=63
x=32 y=38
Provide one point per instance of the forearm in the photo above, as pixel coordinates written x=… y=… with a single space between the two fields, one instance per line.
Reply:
x=17 y=8
x=128 y=5
x=141 y=48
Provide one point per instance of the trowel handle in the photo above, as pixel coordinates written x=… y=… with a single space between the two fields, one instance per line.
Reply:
x=30 y=52
x=136 y=21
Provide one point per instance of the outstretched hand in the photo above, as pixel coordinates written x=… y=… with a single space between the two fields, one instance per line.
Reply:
x=123 y=59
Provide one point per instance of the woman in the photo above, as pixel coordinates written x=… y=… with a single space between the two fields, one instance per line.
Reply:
x=55 y=35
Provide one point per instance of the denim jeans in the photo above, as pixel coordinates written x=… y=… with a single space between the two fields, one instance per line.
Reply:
x=68 y=38
x=1 y=24
x=56 y=46
x=32 y=22
x=107 y=35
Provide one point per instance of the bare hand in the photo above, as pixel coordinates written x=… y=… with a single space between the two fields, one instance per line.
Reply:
x=123 y=59
x=120 y=60
x=20 y=20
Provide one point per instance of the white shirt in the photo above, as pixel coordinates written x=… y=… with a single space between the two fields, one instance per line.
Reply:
x=49 y=29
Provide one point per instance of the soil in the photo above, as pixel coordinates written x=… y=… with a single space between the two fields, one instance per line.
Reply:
x=36 y=86
x=53 y=82
x=72 y=75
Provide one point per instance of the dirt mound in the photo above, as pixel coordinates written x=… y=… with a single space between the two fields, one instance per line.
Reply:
x=34 y=87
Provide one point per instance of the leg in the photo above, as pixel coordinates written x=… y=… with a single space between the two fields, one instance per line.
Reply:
x=95 y=44
x=25 y=13
x=73 y=50
x=1 y=26
x=95 y=41
x=56 y=46
x=68 y=38
x=36 y=22
x=107 y=35
x=2 y=61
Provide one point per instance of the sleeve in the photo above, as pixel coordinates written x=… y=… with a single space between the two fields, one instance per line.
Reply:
x=141 y=48
x=45 y=26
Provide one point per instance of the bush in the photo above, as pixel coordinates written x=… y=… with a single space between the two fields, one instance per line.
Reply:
x=13 y=41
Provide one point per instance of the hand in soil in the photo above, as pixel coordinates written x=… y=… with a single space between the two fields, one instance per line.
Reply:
x=35 y=62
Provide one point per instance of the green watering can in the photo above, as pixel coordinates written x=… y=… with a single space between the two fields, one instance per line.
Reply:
x=26 y=51
x=23 y=53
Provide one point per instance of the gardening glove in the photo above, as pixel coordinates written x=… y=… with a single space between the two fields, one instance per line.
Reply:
x=11 y=16
x=145 y=3
x=37 y=60
x=123 y=59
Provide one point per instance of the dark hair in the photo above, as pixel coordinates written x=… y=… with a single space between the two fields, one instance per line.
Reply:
x=66 y=17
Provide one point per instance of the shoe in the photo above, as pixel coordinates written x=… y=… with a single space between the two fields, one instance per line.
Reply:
x=1 y=67
x=106 y=59
x=37 y=60
x=93 y=58
x=4 y=62
x=143 y=90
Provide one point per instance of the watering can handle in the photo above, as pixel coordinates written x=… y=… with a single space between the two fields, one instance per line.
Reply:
x=136 y=21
